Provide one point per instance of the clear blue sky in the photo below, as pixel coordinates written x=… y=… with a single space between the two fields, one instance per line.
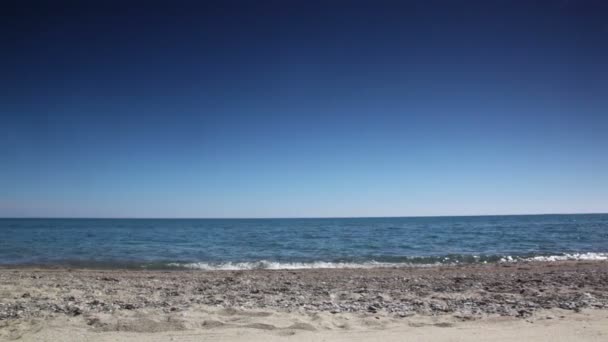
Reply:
x=303 y=108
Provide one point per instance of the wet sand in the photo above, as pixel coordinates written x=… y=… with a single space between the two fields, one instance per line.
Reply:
x=508 y=301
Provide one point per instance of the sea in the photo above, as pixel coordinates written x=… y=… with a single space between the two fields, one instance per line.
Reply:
x=234 y=244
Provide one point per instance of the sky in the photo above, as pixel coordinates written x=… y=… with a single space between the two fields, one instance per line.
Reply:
x=303 y=108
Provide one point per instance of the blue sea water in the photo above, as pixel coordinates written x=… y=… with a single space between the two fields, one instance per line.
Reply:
x=300 y=243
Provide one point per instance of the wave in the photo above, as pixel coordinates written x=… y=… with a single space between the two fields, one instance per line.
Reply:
x=413 y=262
x=273 y=265
x=561 y=257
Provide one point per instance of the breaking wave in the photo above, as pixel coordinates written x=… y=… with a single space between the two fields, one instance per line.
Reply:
x=272 y=265
x=414 y=262
x=562 y=257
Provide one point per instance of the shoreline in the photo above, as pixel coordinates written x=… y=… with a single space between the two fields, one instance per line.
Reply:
x=372 y=265
x=414 y=262
x=35 y=300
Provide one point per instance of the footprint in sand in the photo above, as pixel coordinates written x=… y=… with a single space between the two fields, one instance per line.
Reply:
x=262 y=326
x=208 y=324
x=233 y=312
x=302 y=326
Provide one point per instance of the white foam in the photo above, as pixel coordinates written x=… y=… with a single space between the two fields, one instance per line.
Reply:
x=574 y=256
x=271 y=265
x=562 y=257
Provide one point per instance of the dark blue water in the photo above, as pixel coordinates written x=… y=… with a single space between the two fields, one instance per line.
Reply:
x=278 y=243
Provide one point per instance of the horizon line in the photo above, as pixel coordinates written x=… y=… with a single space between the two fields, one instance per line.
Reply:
x=279 y=217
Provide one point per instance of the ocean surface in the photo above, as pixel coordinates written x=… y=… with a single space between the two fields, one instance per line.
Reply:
x=300 y=243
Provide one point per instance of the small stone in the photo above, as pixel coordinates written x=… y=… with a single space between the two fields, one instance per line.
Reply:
x=92 y=321
x=74 y=311
x=109 y=279
x=523 y=313
x=405 y=314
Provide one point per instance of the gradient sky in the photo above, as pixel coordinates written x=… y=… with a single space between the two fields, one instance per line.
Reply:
x=303 y=108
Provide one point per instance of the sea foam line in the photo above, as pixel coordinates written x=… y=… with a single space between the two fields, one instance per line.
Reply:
x=562 y=257
x=273 y=265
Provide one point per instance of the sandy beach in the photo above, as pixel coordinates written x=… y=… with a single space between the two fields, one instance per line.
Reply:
x=540 y=301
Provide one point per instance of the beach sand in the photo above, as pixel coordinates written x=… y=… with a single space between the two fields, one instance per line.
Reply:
x=542 y=301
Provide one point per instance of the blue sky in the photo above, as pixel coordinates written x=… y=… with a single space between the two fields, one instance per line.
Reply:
x=297 y=109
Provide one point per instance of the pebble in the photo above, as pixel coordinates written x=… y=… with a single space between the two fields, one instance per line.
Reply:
x=401 y=292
